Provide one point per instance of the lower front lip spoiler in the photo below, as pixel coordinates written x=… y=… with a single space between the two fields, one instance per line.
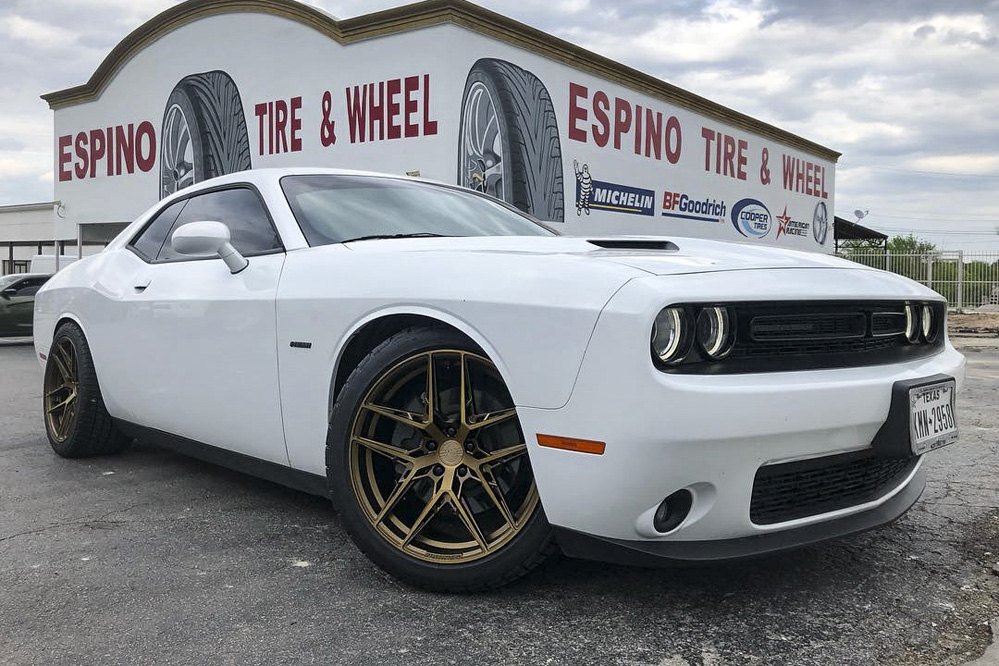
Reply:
x=681 y=553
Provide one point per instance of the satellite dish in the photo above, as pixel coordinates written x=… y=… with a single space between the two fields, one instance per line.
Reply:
x=861 y=214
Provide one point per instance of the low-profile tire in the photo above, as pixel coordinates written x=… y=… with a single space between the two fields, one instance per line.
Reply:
x=76 y=421
x=440 y=497
x=508 y=141
x=204 y=132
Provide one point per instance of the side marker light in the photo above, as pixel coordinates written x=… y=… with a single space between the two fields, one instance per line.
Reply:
x=570 y=444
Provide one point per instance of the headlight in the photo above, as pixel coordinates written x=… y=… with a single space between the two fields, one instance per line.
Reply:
x=715 y=332
x=912 y=323
x=671 y=336
x=929 y=324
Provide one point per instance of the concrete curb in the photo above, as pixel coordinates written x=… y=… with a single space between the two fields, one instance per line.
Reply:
x=974 y=343
x=991 y=656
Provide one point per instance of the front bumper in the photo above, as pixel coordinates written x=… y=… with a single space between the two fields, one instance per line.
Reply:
x=709 y=435
x=647 y=553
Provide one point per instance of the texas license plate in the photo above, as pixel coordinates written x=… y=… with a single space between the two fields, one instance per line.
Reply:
x=932 y=417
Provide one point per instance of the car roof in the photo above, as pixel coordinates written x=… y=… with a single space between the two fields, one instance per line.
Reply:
x=27 y=275
x=270 y=174
x=267 y=175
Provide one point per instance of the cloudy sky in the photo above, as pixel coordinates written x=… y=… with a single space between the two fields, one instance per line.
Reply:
x=907 y=90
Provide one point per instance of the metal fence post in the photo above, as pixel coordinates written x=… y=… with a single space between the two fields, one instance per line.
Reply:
x=960 y=279
x=929 y=270
x=888 y=260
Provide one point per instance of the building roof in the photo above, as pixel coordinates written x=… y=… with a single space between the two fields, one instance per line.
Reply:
x=844 y=229
x=27 y=207
x=422 y=15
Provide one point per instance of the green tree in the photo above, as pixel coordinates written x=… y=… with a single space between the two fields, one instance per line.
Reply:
x=910 y=244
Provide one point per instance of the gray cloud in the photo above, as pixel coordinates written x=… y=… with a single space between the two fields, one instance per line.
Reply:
x=11 y=144
x=899 y=86
x=859 y=12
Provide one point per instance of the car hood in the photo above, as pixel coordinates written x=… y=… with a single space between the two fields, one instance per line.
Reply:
x=652 y=254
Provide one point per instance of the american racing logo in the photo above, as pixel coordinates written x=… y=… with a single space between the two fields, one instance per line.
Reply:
x=788 y=227
x=751 y=218
x=597 y=195
x=681 y=205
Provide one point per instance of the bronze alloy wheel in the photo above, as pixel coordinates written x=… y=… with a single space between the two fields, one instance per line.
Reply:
x=62 y=386
x=437 y=459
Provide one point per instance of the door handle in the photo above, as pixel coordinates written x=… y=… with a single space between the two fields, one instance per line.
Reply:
x=141 y=285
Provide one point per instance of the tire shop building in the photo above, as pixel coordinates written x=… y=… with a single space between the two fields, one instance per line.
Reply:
x=442 y=89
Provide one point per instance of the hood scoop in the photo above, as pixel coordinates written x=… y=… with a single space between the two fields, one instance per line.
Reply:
x=634 y=244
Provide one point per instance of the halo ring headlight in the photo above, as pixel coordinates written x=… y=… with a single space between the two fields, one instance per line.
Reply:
x=715 y=332
x=671 y=336
x=929 y=324
x=912 y=323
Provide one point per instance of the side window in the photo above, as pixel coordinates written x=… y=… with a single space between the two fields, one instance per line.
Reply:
x=239 y=209
x=149 y=241
x=30 y=286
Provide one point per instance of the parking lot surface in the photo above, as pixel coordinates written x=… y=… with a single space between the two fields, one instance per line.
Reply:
x=154 y=558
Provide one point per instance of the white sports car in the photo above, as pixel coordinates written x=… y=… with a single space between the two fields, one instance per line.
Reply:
x=475 y=391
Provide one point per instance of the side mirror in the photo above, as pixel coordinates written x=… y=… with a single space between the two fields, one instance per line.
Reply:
x=208 y=238
x=8 y=292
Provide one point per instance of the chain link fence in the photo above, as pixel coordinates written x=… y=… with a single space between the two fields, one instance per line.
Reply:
x=965 y=279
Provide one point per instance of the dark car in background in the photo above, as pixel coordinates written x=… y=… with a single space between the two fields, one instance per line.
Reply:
x=17 y=303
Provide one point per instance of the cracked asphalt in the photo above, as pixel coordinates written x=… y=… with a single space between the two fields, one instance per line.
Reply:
x=154 y=558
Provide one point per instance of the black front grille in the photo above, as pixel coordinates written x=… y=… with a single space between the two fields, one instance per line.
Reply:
x=789 y=491
x=770 y=328
x=812 y=335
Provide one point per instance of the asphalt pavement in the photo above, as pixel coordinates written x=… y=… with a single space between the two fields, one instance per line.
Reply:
x=153 y=558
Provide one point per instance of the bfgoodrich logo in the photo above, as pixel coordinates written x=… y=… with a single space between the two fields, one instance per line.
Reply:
x=751 y=218
x=685 y=207
x=592 y=194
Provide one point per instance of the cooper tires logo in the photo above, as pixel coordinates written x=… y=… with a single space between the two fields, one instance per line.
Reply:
x=751 y=218
x=204 y=132
x=820 y=223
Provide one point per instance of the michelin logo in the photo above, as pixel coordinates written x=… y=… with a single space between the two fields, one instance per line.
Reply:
x=600 y=195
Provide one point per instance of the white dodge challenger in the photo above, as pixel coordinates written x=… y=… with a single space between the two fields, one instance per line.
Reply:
x=475 y=391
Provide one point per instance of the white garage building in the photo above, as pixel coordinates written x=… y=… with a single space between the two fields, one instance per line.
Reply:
x=442 y=89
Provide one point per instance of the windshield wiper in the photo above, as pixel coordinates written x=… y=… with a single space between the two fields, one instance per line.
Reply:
x=421 y=234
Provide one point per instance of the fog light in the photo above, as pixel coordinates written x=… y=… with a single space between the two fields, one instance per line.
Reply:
x=673 y=511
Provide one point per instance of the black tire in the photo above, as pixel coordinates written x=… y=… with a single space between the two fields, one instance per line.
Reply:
x=220 y=144
x=91 y=431
x=526 y=550
x=532 y=152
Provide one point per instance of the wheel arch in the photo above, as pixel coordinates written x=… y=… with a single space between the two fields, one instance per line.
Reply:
x=44 y=344
x=372 y=330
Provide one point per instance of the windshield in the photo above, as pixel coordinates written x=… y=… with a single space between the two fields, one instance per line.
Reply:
x=8 y=280
x=334 y=209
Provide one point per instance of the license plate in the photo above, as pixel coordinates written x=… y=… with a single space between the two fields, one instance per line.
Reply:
x=932 y=417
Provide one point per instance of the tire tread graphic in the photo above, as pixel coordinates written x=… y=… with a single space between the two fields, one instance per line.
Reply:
x=219 y=140
x=223 y=128
x=535 y=162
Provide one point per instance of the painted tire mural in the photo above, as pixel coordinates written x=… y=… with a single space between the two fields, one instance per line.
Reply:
x=204 y=132
x=508 y=144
